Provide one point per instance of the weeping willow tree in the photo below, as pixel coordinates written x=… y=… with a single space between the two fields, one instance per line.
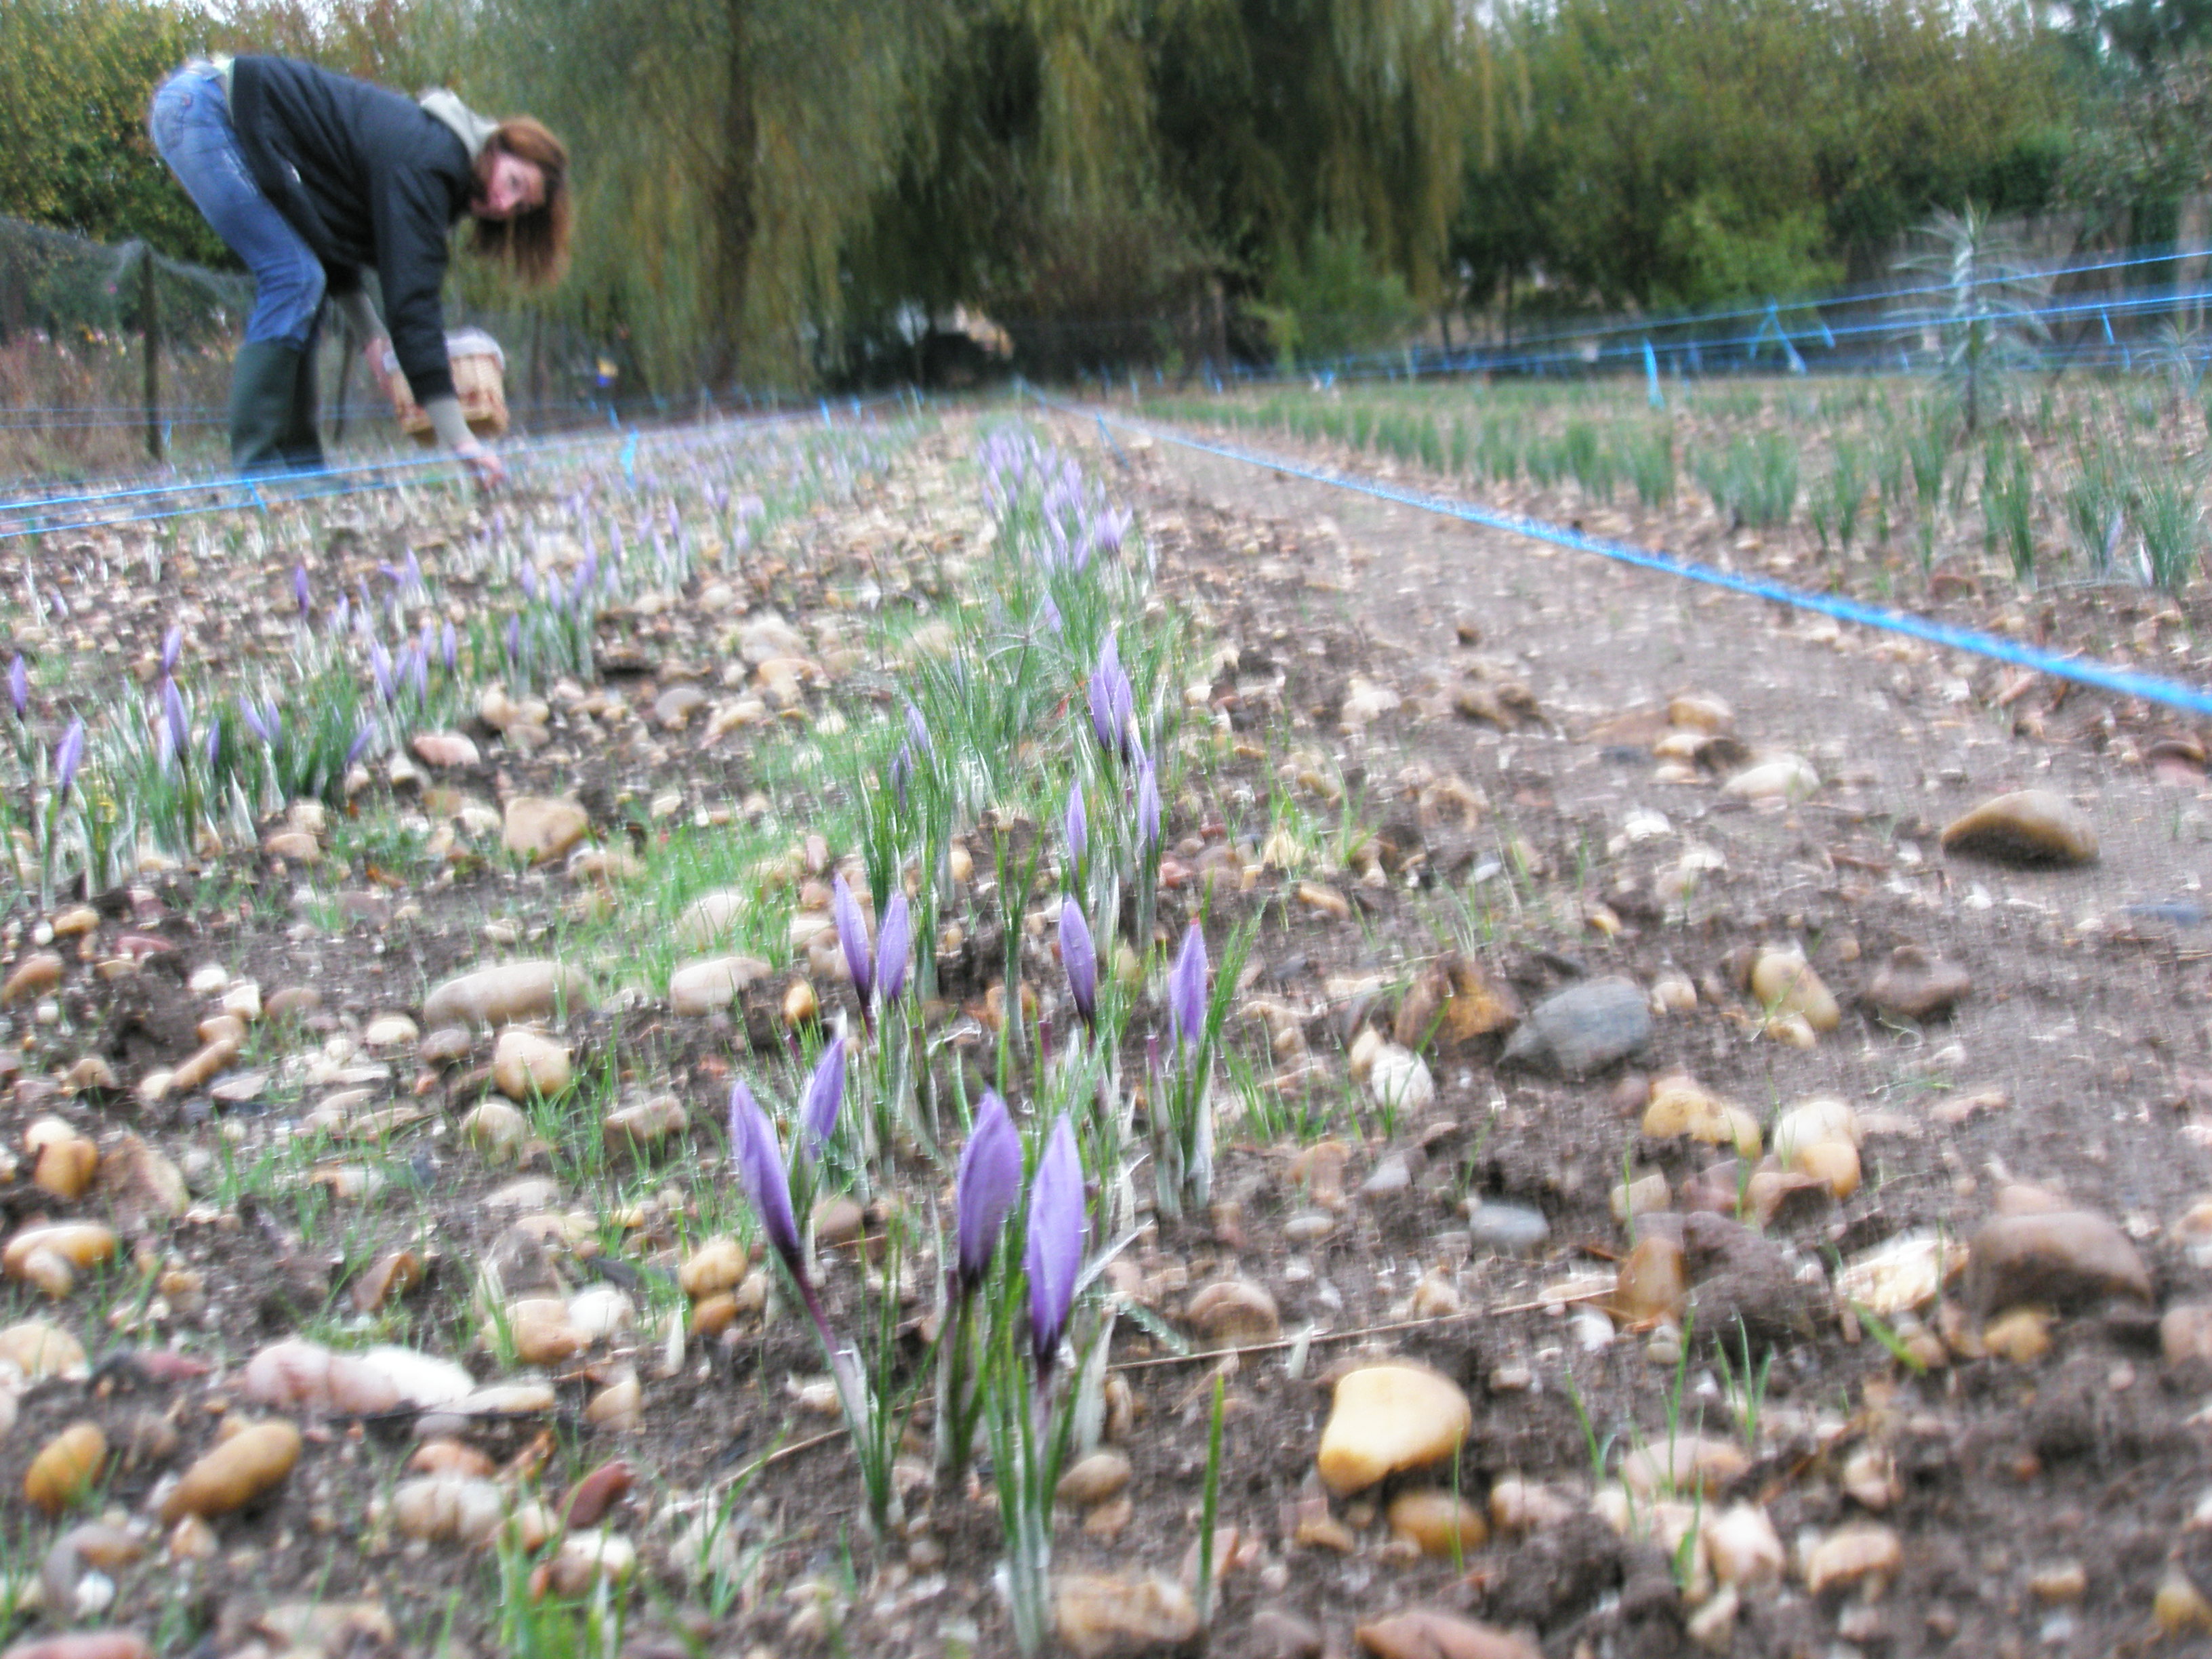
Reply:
x=762 y=182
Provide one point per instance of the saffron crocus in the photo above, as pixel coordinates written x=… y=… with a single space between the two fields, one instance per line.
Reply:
x=901 y=771
x=69 y=754
x=1110 y=702
x=852 y=935
x=917 y=732
x=528 y=577
x=1054 y=1253
x=760 y=1169
x=172 y=647
x=1077 y=826
x=825 y=1093
x=421 y=665
x=299 y=593
x=514 y=638
x=1187 y=989
x=254 y=723
x=990 y=1180
x=894 y=947
x=1148 y=802
x=213 y=746
x=1079 y=955
x=379 y=665
x=172 y=711
x=449 y=644
x=360 y=744
x=19 y=687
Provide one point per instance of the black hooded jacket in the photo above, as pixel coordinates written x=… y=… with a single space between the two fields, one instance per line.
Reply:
x=370 y=178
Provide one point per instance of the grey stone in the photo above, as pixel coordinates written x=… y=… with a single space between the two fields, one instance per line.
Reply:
x=1507 y=1228
x=1583 y=1029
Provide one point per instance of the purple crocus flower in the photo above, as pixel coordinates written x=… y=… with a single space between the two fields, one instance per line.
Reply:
x=379 y=665
x=172 y=711
x=1078 y=825
x=172 y=647
x=1187 y=989
x=340 y=613
x=760 y=1169
x=1106 y=718
x=419 y=662
x=360 y=744
x=528 y=576
x=1053 y=1253
x=917 y=732
x=1051 y=617
x=214 y=744
x=514 y=638
x=990 y=1180
x=69 y=754
x=251 y=716
x=19 y=687
x=449 y=645
x=300 y=589
x=893 y=945
x=1148 y=801
x=1079 y=955
x=852 y=935
x=825 y=1093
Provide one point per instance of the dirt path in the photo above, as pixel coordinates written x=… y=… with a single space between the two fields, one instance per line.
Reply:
x=2085 y=1021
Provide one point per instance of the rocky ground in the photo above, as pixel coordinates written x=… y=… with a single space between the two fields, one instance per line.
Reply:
x=1711 y=1157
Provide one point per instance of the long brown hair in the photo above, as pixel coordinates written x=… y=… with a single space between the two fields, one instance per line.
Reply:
x=534 y=245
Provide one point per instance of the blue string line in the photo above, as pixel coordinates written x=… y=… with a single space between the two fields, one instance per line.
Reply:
x=2172 y=693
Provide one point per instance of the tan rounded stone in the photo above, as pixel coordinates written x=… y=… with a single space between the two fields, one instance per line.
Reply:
x=2028 y=826
x=705 y=987
x=541 y=830
x=1094 y=1478
x=1234 y=1313
x=235 y=1472
x=1387 y=1418
x=1852 y=1554
x=1437 y=1522
x=525 y=1063
x=1785 y=984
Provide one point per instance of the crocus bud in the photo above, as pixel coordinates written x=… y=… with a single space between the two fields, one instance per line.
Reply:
x=299 y=593
x=172 y=711
x=69 y=754
x=379 y=664
x=528 y=577
x=1077 y=826
x=1187 y=989
x=172 y=647
x=360 y=741
x=19 y=687
x=825 y=1093
x=449 y=643
x=894 y=947
x=514 y=638
x=852 y=935
x=1053 y=1253
x=760 y=1169
x=1148 y=802
x=251 y=716
x=990 y=1180
x=1079 y=955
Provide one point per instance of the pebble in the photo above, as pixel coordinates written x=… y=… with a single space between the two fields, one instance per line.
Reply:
x=1098 y=1616
x=1786 y=985
x=541 y=828
x=447 y=1045
x=1915 y=985
x=1743 y=1547
x=513 y=991
x=1508 y=1229
x=2185 y=1333
x=1399 y=1079
x=83 y=1644
x=65 y=1468
x=1393 y=1173
x=443 y=749
x=1387 y=1418
x=1786 y=777
x=1310 y=1227
x=2028 y=827
x=498 y=1130
x=1690 y=1462
x=36 y=974
x=2068 y=1259
x=389 y=1031
x=1437 y=1522
x=1653 y=1283
x=1851 y=1554
x=837 y=1220
x=1453 y=1003
x=1809 y=1122
x=1234 y=1313
x=1583 y=1029
x=2179 y=1606
x=235 y=1472
x=525 y=1063
x=1680 y=1106
x=1094 y=1478
x=706 y=987
x=645 y=1122
x=37 y=1349
x=1517 y=1505
x=1423 y=1633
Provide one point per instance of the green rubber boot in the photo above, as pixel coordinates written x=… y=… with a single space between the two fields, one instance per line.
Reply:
x=264 y=379
x=303 y=437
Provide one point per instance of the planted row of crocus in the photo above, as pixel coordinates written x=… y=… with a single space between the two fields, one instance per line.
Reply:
x=1034 y=716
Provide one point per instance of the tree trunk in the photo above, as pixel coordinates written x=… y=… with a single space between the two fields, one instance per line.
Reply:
x=738 y=219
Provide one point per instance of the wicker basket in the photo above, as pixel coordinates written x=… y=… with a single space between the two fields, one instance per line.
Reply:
x=479 y=380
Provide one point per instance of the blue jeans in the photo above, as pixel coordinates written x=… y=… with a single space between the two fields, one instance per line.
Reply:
x=190 y=125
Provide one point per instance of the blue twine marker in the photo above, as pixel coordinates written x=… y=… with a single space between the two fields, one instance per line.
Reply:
x=1652 y=394
x=2123 y=682
x=825 y=412
x=629 y=458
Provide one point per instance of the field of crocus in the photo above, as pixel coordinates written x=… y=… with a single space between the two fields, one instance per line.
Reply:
x=974 y=1033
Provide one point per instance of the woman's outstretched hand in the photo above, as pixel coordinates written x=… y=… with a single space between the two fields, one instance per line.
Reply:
x=488 y=471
